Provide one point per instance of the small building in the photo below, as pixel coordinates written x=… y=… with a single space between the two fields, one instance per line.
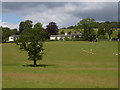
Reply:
x=13 y=38
x=62 y=36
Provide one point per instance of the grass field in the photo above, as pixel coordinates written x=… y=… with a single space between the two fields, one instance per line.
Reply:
x=66 y=64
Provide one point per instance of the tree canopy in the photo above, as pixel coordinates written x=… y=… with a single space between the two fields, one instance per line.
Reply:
x=87 y=24
x=23 y=26
x=5 y=33
x=32 y=42
x=52 y=28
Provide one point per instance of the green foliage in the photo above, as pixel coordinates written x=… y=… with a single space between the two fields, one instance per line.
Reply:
x=81 y=39
x=23 y=26
x=101 y=30
x=102 y=37
x=34 y=50
x=5 y=33
x=118 y=34
x=62 y=32
x=69 y=32
x=71 y=27
x=38 y=26
x=17 y=42
x=87 y=24
x=66 y=39
x=52 y=28
x=108 y=28
x=78 y=28
x=32 y=42
x=14 y=31
x=77 y=38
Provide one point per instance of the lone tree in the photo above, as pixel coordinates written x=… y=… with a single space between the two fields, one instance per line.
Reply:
x=32 y=42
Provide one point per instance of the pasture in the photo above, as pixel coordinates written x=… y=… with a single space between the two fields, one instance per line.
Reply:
x=65 y=64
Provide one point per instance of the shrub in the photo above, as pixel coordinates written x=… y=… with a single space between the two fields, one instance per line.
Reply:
x=102 y=37
x=67 y=39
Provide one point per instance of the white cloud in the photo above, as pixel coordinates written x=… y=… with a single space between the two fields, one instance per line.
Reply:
x=64 y=14
x=44 y=26
x=61 y=1
x=61 y=18
x=6 y=24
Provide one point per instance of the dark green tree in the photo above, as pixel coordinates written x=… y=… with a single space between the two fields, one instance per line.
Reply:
x=77 y=38
x=108 y=28
x=71 y=27
x=52 y=28
x=87 y=24
x=32 y=41
x=62 y=32
x=118 y=35
x=5 y=33
x=78 y=28
x=23 y=26
x=101 y=30
x=69 y=32
x=14 y=31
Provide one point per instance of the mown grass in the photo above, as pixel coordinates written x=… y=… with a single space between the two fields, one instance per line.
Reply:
x=66 y=64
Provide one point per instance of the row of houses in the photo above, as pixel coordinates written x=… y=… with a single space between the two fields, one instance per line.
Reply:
x=63 y=36
x=58 y=37
x=52 y=37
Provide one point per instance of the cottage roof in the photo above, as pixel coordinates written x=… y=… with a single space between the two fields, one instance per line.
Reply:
x=16 y=36
x=68 y=35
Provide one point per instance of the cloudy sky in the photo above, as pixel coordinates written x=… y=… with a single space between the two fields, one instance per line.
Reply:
x=63 y=13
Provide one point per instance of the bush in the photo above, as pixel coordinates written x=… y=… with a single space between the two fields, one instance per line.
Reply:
x=67 y=39
x=102 y=37
x=77 y=38
x=82 y=39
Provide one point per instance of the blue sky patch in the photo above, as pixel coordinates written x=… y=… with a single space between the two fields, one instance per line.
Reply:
x=11 y=18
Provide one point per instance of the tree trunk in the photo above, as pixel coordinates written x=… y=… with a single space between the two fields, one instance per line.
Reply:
x=109 y=36
x=35 y=63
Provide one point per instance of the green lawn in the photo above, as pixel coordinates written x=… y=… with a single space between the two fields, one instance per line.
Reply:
x=66 y=64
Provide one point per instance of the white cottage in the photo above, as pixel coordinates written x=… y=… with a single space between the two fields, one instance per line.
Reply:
x=13 y=38
x=62 y=37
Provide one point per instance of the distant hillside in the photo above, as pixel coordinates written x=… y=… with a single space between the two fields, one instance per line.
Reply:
x=115 y=32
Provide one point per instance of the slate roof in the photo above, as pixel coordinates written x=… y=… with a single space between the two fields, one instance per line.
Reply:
x=68 y=35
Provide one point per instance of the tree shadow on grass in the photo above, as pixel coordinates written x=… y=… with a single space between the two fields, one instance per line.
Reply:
x=40 y=65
